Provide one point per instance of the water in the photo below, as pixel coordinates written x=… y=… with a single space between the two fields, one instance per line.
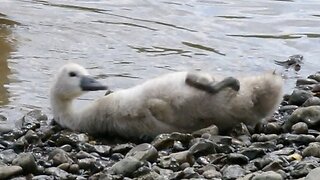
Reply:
x=124 y=42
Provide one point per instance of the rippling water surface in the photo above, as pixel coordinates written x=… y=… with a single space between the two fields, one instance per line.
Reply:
x=124 y=42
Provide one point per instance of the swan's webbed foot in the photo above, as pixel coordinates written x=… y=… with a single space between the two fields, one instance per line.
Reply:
x=203 y=83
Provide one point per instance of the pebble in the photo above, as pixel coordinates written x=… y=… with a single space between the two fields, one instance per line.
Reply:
x=27 y=162
x=300 y=128
x=143 y=152
x=233 y=172
x=313 y=174
x=310 y=115
x=313 y=149
x=126 y=166
x=298 y=97
x=269 y=175
x=313 y=101
x=10 y=171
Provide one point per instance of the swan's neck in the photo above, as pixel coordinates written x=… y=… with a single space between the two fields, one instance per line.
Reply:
x=63 y=112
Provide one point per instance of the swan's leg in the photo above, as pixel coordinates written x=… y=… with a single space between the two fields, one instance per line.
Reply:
x=203 y=83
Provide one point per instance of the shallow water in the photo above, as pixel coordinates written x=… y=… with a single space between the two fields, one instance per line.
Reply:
x=124 y=42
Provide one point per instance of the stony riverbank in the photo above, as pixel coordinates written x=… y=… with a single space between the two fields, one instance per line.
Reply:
x=287 y=147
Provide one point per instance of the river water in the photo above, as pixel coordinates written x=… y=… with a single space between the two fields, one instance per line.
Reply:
x=124 y=42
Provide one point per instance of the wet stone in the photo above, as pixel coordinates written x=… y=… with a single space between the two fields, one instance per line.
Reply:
x=126 y=166
x=273 y=166
x=202 y=147
x=309 y=115
x=122 y=148
x=31 y=137
x=233 y=172
x=26 y=161
x=211 y=130
x=297 y=138
x=10 y=171
x=253 y=153
x=312 y=150
x=59 y=156
x=57 y=172
x=307 y=81
x=264 y=137
x=143 y=152
x=273 y=128
x=313 y=174
x=7 y=156
x=300 y=128
x=298 y=97
x=190 y=173
x=313 y=101
x=268 y=145
x=72 y=139
x=315 y=77
x=183 y=157
x=269 y=175
x=235 y=158
x=211 y=174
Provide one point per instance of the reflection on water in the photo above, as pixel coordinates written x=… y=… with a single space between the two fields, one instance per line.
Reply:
x=5 y=49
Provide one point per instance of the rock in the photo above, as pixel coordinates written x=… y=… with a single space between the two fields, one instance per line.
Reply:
x=298 y=97
x=310 y=115
x=144 y=152
x=268 y=145
x=211 y=174
x=253 y=153
x=264 y=137
x=59 y=156
x=269 y=175
x=300 y=128
x=312 y=150
x=27 y=162
x=235 y=158
x=31 y=137
x=306 y=81
x=7 y=156
x=288 y=108
x=126 y=166
x=122 y=148
x=273 y=128
x=189 y=173
x=297 y=138
x=233 y=172
x=313 y=174
x=315 y=77
x=32 y=119
x=103 y=150
x=202 y=147
x=273 y=166
x=10 y=171
x=57 y=173
x=72 y=139
x=211 y=130
x=313 y=101
x=302 y=168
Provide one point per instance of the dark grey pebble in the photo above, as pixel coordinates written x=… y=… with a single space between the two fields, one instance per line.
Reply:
x=143 y=152
x=307 y=81
x=9 y=171
x=233 y=172
x=269 y=175
x=236 y=158
x=203 y=147
x=298 y=97
x=211 y=130
x=313 y=174
x=27 y=162
x=126 y=166
x=313 y=149
x=122 y=148
x=300 y=128
x=313 y=101
x=309 y=115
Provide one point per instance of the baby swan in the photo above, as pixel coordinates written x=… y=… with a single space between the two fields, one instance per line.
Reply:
x=180 y=101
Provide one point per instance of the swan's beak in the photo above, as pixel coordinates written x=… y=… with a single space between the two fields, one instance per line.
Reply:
x=90 y=84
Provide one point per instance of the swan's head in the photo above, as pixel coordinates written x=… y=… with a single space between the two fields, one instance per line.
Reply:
x=73 y=80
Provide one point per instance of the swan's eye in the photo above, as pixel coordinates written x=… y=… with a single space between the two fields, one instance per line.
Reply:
x=72 y=74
